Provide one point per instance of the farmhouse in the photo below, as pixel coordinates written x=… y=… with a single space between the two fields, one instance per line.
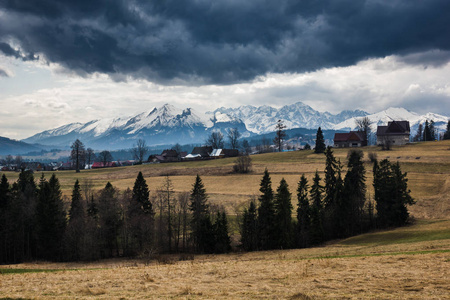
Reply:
x=221 y=153
x=395 y=133
x=202 y=151
x=349 y=139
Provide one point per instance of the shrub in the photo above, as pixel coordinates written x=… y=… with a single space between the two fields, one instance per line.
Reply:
x=373 y=157
x=243 y=164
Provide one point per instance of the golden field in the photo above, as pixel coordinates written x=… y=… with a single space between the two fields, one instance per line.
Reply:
x=411 y=262
x=427 y=165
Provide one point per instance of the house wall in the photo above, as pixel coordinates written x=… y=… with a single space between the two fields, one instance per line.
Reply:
x=347 y=144
x=393 y=139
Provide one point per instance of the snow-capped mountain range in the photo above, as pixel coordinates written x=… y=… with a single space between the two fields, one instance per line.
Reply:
x=170 y=125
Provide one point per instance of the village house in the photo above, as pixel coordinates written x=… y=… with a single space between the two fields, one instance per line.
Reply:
x=349 y=139
x=395 y=133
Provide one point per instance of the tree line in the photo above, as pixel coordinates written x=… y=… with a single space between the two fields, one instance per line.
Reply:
x=336 y=209
x=35 y=222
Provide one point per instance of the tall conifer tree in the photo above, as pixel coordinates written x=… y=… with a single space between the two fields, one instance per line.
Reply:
x=140 y=217
x=283 y=216
x=303 y=213
x=249 y=229
x=5 y=214
x=266 y=214
x=320 y=142
x=355 y=192
x=222 y=238
x=316 y=231
x=202 y=231
x=50 y=219
x=76 y=228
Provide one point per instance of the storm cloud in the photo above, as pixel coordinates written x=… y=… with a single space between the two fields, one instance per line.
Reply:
x=222 y=42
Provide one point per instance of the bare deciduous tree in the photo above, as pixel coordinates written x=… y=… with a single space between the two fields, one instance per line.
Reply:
x=105 y=157
x=215 y=140
x=78 y=154
x=243 y=164
x=9 y=160
x=181 y=220
x=90 y=156
x=139 y=150
x=233 y=136
x=363 y=125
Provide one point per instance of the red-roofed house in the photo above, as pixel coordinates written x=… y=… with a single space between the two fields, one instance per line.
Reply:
x=349 y=139
x=99 y=164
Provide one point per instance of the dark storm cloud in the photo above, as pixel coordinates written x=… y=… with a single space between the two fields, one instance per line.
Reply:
x=222 y=41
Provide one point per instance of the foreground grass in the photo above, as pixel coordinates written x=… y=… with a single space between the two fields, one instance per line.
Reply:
x=360 y=267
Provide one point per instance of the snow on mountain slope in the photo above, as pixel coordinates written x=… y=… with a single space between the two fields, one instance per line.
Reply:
x=397 y=114
x=262 y=119
x=169 y=124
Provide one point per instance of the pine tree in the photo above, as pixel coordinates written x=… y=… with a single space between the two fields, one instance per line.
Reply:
x=249 y=228
x=316 y=231
x=330 y=205
x=447 y=131
x=303 y=213
x=427 y=136
x=140 y=217
x=283 y=216
x=200 y=223
x=391 y=194
x=279 y=135
x=76 y=228
x=141 y=194
x=355 y=193
x=266 y=214
x=50 y=219
x=433 y=136
x=110 y=219
x=419 y=135
x=23 y=228
x=5 y=199
x=222 y=239
x=402 y=196
x=77 y=209
x=320 y=142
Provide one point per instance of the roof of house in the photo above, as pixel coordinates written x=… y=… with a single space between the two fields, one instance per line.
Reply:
x=230 y=152
x=170 y=153
x=394 y=128
x=203 y=151
x=349 y=137
x=216 y=152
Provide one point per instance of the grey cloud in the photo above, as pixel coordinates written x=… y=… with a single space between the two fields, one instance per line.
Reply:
x=3 y=73
x=197 y=42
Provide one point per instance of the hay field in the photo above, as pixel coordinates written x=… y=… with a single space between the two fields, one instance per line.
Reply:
x=406 y=263
x=427 y=164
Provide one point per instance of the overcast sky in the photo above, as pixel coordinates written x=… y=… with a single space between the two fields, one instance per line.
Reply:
x=66 y=61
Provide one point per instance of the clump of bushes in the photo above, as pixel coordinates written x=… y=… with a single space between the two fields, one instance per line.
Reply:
x=243 y=164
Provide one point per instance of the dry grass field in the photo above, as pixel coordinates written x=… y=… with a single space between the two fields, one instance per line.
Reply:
x=427 y=164
x=412 y=262
x=406 y=263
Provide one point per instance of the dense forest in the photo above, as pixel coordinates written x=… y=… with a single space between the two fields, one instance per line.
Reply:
x=35 y=222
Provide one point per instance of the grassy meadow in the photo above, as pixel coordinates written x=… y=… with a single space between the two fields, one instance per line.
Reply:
x=427 y=164
x=411 y=262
